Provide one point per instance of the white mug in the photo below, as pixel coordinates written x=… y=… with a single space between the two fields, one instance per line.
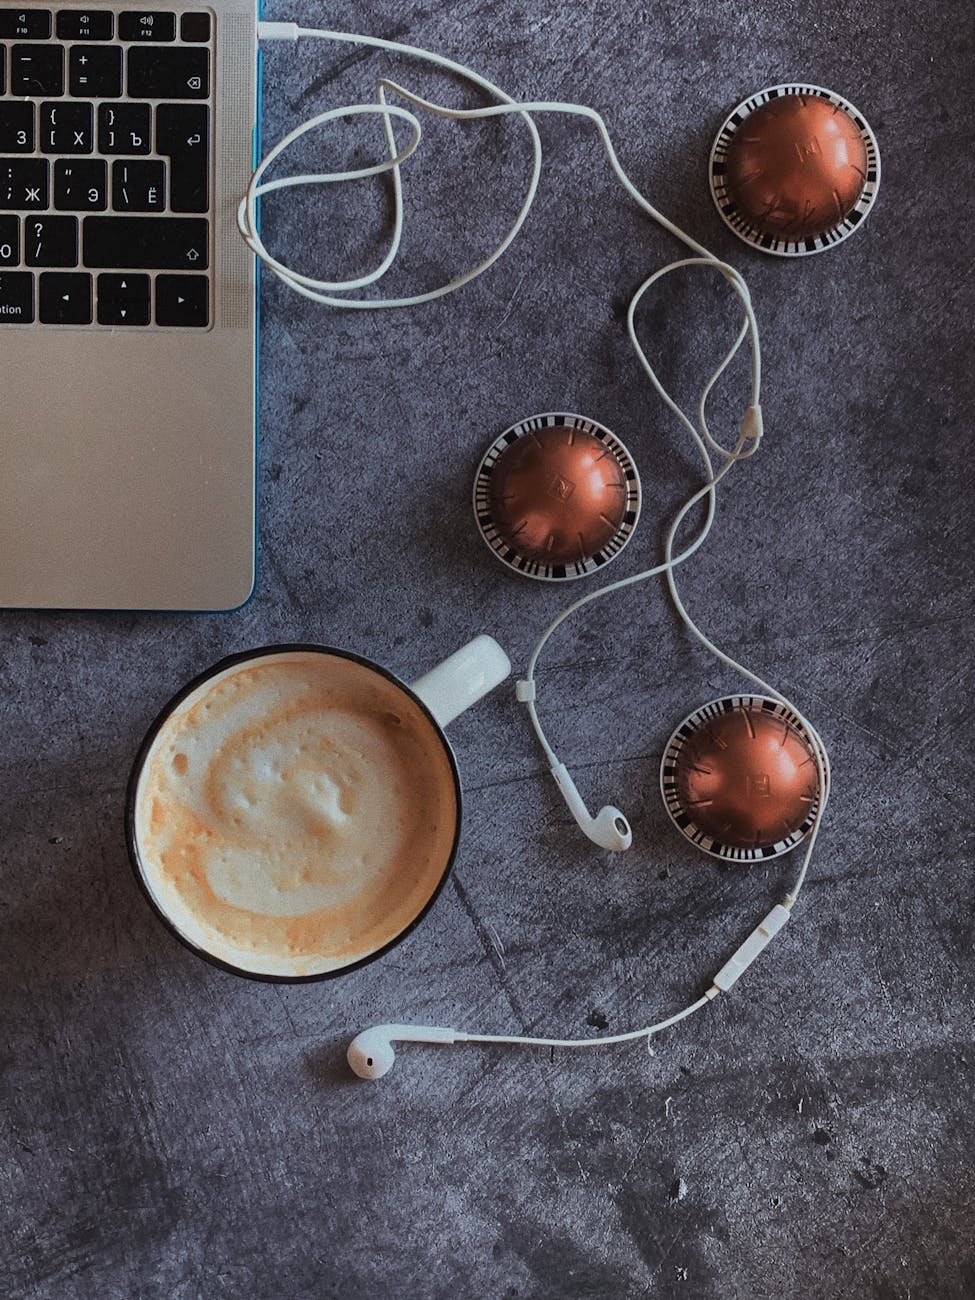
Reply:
x=441 y=694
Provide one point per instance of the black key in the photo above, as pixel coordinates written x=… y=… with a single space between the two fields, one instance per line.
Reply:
x=23 y=183
x=9 y=241
x=182 y=135
x=169 y=74
x=85 y=25
x=168 y=243
x=138 y=186
x=183 y=300
x=95 y=71
x=81 y=185
x=16 y=128
x=16 y=297
x=37 y=70
x=124 y=128
x=146 y=26
x=123 y=300
x=195 y=27
x=66 y=128
x=65 y=299
x=51 y=241
x=25 y=25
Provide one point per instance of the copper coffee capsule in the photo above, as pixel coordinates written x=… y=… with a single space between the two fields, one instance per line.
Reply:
x=557 y=496
x=794 y=170
x=739 y=778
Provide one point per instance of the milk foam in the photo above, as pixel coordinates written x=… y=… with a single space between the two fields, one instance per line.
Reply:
x=295 y=813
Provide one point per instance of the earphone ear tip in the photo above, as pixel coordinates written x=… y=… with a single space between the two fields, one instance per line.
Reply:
x=615 y=831
x=370 y=1057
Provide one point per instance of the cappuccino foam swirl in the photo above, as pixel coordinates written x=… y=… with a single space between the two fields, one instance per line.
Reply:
x=295 y=813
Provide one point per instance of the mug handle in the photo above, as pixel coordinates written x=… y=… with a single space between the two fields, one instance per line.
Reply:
x=462 y=679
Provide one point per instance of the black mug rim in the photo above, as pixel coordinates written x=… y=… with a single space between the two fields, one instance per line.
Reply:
x=159 y=722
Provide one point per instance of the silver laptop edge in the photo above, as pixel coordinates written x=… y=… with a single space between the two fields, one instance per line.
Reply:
x=127 y=456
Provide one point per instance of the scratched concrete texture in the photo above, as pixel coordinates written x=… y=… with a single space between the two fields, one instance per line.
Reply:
x=172 y=1131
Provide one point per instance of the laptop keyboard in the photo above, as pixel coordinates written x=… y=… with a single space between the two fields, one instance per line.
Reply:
x=105 y=168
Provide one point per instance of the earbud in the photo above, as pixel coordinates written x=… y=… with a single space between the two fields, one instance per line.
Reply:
x=609 y=828
x=371 y=1055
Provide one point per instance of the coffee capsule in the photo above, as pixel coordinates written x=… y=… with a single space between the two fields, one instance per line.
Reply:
x=556 y=497
x=794 y=170
x=739 y=778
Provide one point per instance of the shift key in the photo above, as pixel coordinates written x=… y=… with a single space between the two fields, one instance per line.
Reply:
x=146 y=243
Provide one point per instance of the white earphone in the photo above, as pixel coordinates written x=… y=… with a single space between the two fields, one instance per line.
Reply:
x=609 y=828
x=371 y=1055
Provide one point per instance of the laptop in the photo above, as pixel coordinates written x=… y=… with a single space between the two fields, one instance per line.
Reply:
x=127 y=306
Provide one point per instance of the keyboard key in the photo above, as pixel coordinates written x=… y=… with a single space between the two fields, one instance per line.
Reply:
x=95 y=71
x=183 y=301
x=145 y=26
x=3 y=69
x=37 y=70
x=169 y=74
x=16 y=128
x=23 y=183
x=25 y=24
x=16 y=298
x=124 y=128
x=85 y=25
x=195 y=27
x=123 y=300
x=182 y=135
x=66 y=128
x=9 y=241
x=166 y=243
x=65 y=299
x=81 y=185
x=51 y=241
x=139 y=186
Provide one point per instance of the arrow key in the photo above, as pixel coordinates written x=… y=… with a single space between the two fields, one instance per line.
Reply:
x=183 y=301
x=123 y=300
x=65 y=299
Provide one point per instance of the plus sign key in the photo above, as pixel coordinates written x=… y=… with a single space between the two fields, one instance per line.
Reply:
x=95 y=71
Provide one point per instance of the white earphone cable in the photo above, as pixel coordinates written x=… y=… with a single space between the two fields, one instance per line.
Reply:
x=749 y=436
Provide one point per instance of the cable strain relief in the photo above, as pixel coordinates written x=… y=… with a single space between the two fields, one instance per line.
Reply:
x=525 y=692
x=752 y=425
x=277 y=31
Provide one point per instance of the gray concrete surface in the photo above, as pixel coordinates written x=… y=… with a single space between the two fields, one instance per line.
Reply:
x=172 y=1131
